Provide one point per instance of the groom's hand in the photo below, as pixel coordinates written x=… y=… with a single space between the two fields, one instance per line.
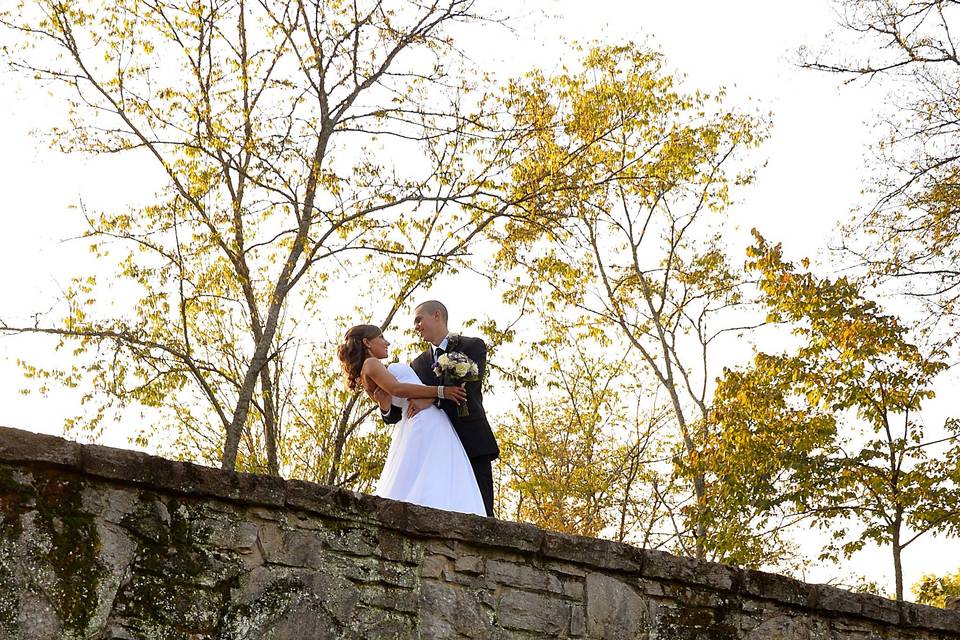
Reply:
x=416 y=405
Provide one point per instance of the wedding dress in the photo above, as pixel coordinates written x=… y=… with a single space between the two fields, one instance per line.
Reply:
x=426 y=464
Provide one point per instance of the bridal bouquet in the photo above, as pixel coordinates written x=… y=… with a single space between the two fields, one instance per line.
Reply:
x=455 y=368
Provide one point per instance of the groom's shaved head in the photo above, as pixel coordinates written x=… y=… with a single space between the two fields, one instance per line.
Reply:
x=431 y=307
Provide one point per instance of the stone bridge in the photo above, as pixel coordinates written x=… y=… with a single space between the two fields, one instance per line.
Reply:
x=103 y=543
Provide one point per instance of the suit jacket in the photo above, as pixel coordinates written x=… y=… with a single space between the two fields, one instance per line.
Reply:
x=474 y=430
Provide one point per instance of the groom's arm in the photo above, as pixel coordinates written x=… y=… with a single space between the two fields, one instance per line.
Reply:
x=478 y=353
x=393 y=416
x=389 y=412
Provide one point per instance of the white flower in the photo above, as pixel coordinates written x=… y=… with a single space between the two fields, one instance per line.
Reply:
x=462 y=369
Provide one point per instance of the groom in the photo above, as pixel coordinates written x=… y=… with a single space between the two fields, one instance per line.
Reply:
x=430 y=321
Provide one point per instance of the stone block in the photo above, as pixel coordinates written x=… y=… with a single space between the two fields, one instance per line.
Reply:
x=371 y=623
x=310 y=497
x=132 y=466
x=17 y=445
x=119 y=632
x=434 y=523
x=447 y=548
x=784 y=627
x=566 y=568
x=532 y=612
x=578 y=624
x=303 y=619
x=181 y=477
x=833 y=600
x=447 y=611
x=265 y=586
x=673 y=620
x=471 y=565
x=354 y=541
x=615 y=610
x=356 y=568
x=243 y=537
x=877 y=608
x=275 y=605
x=389 y=598
x=573 y=589
x=252 y=488
x=652 y=588
x=112 y=504
x=780 y=588
x=36 y=618
x=433 y=566
x=601 y=554
x=522 y=576
x=514 y=536
x=933 y=618
x=399 y=548
x=293 y=548
x=117 y=551
x=666 y=566
x=397 y=574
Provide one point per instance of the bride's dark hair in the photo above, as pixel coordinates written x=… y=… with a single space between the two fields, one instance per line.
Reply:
x=353 y=352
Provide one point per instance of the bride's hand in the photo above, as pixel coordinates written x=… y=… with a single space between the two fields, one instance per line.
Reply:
x=416 y=405
x=457 y=394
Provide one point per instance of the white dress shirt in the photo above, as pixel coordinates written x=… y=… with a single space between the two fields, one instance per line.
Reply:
x=443 y=345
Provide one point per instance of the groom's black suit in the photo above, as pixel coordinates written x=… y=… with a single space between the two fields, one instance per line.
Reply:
x=474 y=430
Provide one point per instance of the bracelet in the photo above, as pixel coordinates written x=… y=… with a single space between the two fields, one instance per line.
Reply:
x=440 y=392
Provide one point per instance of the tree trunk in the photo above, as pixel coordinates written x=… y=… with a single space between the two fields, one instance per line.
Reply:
x=280 y=291
x=340 y=439
x=242 y=411
x=897 y=551
x=269 y=422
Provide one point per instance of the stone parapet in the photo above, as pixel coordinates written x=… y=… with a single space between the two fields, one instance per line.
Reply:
x=97 y=542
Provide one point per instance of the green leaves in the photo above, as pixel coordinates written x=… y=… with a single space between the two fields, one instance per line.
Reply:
x=852 y=358
x=574 y=457
x=934 y=590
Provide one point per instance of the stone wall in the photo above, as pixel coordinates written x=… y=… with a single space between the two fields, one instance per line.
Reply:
x=105 y=543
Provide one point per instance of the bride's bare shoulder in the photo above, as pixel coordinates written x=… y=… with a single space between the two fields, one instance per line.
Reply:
x=371 y=363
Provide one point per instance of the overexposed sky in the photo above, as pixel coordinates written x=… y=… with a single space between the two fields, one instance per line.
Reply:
x=813 y=176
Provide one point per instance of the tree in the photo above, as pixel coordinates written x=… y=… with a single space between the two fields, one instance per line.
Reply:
x=934 y=590
x=328 y=438
x=911 y=232
x=577 y=455
x=624 y=235
x=891 y=482
x=757 y=459
x=293 y=140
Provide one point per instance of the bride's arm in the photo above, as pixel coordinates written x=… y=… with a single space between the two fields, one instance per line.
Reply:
x=383 y=399
x=375 y=370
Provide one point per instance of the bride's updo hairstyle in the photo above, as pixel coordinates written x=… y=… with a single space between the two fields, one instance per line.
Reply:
x=353 y=352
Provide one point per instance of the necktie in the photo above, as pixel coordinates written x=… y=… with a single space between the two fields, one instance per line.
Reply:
x=437 y=353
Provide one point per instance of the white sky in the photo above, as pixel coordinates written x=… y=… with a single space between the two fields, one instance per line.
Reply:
x=814 y=173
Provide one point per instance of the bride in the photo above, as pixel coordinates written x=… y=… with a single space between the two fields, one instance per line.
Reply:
x=426 y=463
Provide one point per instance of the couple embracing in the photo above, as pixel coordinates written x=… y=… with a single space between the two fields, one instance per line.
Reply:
x=442 y=449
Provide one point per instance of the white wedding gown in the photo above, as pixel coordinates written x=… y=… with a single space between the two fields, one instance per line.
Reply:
x=426 y=463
